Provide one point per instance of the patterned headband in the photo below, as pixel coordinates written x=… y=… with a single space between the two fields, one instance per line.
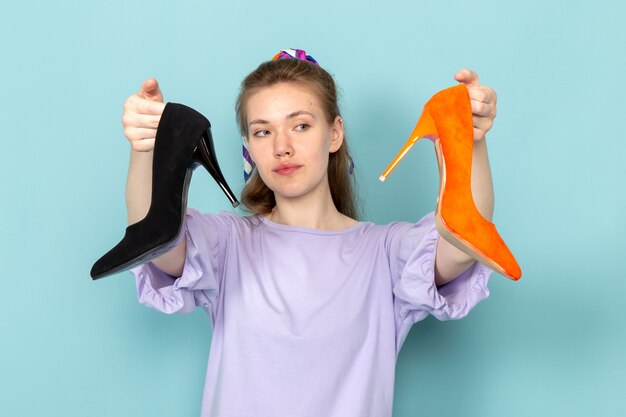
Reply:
x=248 y=164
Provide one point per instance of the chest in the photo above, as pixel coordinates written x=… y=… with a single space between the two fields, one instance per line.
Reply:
x=313 y=293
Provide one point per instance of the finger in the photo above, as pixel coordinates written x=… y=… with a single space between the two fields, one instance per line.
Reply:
x=483 y=123
x=133 y=119
x=482 y=109
x=139 y=133
x=143 y=145
x=143 y=106
x=467 y=77
x=150 y=90
x=479 y=134
x=482 y=93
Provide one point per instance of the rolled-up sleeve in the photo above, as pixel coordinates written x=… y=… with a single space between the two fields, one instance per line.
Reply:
x=200 y=282
x=412 y=249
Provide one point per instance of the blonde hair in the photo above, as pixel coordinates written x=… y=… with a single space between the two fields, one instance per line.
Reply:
x=256 y=196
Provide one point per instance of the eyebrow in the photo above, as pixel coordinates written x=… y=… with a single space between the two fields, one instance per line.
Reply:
x=290 y=116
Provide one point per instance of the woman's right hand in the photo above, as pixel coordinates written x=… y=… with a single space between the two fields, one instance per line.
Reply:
x=142 y=113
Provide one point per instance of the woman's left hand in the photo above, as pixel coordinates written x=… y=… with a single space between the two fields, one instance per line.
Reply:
x=483 y=99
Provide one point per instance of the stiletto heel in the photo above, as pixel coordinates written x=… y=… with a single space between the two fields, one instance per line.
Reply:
x=183 y=142
x=204 y=155
x=447 y=122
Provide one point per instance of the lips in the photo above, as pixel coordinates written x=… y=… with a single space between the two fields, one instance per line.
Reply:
x=284 y=169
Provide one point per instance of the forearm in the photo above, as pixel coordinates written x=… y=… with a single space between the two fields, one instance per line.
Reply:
x=482 y=184
x=139 y=185
x=450 y=261
x=138 y=200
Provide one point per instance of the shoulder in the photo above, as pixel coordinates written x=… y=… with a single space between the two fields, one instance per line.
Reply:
x=397 y=233
x=223 y=220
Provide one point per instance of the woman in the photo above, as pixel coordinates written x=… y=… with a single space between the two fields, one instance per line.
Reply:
x=309 y=306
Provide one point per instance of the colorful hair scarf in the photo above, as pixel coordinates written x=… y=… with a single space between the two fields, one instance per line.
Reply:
x=294 y=54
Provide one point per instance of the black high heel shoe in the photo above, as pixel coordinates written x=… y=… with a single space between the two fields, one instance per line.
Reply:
x=183 y=142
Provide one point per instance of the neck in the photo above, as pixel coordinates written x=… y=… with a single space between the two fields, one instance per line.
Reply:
x=312 y=211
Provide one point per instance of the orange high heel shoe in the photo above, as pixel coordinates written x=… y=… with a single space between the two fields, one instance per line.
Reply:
x=447 y=121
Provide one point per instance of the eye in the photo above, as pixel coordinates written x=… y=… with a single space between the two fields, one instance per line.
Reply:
x=260 y=131
x=303 y=125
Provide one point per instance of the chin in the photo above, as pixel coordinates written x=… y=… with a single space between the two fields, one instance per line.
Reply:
x=292 y=189
x=288 y=192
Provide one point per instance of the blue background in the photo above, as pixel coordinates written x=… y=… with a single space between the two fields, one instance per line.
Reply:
x=551 y=344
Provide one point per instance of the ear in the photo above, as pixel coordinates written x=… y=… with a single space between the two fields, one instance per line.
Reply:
x=336 y=135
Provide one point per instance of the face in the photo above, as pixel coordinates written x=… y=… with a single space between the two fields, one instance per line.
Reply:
x=290 y=140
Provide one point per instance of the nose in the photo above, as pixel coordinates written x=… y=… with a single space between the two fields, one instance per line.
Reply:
x=282 y=144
